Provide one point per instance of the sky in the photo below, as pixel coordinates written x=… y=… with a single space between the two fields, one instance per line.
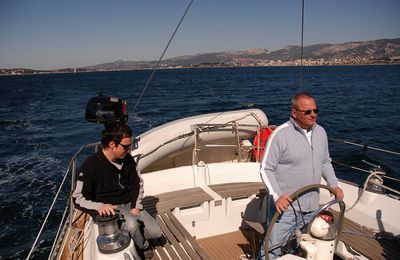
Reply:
x=54 y=34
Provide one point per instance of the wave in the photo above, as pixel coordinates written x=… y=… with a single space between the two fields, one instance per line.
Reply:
x=7 y=122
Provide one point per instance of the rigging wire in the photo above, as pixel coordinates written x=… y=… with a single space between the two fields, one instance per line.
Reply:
x=161 y=57
x=301 y=48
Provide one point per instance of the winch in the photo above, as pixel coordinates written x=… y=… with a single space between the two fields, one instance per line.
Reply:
x=111 y=239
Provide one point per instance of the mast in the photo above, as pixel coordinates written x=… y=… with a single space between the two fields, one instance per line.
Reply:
x=301 y=47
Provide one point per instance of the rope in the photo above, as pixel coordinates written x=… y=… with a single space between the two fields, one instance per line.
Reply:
x=368 y=171
x=74 y=244
x=253 y=243
x=161 y=57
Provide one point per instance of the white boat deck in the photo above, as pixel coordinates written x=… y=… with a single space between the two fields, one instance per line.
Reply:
x=363 y=240
x=232 y=245
x=179 y=244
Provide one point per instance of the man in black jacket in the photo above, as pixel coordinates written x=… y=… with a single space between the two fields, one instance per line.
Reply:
x=108 y=180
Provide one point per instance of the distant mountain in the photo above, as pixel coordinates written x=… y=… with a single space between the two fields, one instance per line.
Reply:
x=361 y=52
x=120 y=65
x=384 y=50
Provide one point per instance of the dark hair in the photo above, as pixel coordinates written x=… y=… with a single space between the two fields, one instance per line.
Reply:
x=299 y=95
x=115 y=132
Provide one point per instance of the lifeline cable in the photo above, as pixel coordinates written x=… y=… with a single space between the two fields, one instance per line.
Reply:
x=70 y=165
x=48 y=214
x=364 y=146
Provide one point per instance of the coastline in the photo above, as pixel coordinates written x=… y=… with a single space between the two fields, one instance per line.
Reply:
x=22 y=71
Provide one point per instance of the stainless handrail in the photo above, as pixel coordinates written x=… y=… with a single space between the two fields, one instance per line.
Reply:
x=71 y=168
x=364 y=146
x=204 y=128
x=209 y=128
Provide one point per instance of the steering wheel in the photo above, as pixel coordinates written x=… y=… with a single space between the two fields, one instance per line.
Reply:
x=293 y=196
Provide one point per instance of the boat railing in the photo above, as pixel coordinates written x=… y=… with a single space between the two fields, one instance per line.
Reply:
x=365 y=146
x=72 y=166
x=234 y=127
x=201 y=128
x=376 y=174
x=375 y=181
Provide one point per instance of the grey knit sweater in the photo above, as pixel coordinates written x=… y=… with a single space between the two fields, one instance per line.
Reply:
x=290 y=162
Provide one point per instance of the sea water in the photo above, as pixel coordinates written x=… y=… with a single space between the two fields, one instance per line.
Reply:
x=42 y=124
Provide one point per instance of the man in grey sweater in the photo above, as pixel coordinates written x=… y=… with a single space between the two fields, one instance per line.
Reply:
x=296 y=155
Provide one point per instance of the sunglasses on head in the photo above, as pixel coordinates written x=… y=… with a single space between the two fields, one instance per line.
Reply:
x=307 y=112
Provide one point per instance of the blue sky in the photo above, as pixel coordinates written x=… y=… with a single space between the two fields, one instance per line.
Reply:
x=50 y=34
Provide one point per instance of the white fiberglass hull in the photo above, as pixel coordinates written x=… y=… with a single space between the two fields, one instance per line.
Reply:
x=157 y=143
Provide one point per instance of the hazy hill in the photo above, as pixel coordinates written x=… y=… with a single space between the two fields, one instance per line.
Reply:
x=366 y=52
x=383 y=50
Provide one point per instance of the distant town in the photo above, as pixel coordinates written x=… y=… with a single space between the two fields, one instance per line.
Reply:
x=384 y=51
x=297 y=62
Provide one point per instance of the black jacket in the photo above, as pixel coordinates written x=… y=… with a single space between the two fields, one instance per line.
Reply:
x=99 y=181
